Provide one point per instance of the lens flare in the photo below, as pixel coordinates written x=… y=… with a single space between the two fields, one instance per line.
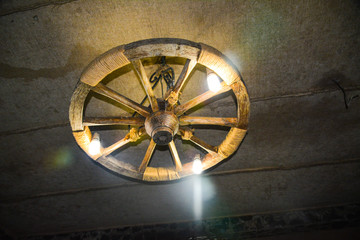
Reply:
x=213 y=82
x=59 y=158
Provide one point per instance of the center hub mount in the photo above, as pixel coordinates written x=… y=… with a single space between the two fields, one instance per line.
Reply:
x=162 y=126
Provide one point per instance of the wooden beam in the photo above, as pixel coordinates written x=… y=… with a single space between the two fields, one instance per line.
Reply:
x=107 y=92
x=147 y=157
x=181 y=109
x=173 y=96
x=207 y=147
x=134 y=121
x=175 y=156
x=139 y=69
x=189 y=120
x=115 y=146
x=187 y=134
x=132 y=136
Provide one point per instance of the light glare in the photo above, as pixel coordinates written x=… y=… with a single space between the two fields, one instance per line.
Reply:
x=213 y=82
x=197 y=166
x=197 y=198
x=94 y=146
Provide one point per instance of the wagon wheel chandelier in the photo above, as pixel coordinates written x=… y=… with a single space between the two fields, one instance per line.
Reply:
x=164 y=118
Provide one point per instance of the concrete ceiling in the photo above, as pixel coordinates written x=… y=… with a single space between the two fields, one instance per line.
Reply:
x=301 y=151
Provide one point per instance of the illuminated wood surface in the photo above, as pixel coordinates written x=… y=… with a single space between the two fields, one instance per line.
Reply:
x=190 y=120
x=148 y=155
x=134 y=121
x=175 y=156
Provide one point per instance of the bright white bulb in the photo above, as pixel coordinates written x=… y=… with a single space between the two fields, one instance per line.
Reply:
x=213 y=82
x=197 y=166
x=95 y=146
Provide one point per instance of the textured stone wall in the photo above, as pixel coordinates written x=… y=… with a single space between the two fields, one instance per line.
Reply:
x=239 y=227
x=301 y=151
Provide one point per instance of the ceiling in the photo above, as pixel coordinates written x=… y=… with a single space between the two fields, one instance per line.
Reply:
x=301 y=150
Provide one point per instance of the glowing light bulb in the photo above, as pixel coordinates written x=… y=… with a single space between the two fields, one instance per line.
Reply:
x=213 y=82
x=95 y=146
x=197 y=165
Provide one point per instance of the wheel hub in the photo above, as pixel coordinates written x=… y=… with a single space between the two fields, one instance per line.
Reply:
x=162 y=127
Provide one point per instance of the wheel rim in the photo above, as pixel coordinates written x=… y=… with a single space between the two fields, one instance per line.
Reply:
x=195 y=53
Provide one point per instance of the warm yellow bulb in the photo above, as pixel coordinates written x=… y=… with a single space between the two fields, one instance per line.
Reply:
x=197 y=165
x=213 y=82
x=95 y=146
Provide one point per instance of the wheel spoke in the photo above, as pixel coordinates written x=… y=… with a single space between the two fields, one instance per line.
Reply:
x=107 y=92
x=179 y=110
x=189 y=66
x=175 y=156
x=186 y=134
x=173 y=96
x=207 y=147
x=115 y=146
x=139 y=69
x=147 y=157
x=189 y=120
x=134 y=121
x=132 y=136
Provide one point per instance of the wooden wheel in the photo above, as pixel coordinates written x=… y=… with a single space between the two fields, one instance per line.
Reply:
x=160 y=121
